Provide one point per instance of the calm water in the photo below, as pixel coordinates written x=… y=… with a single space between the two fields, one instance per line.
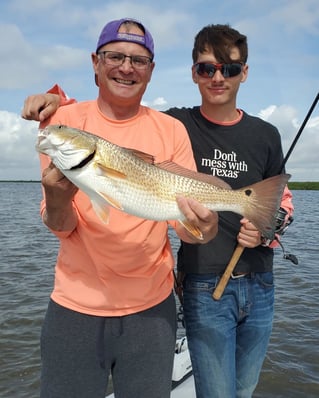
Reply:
x=28 y=250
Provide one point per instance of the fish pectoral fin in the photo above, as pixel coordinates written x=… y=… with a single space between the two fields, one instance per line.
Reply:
x=100 y=204
x=192 y=229
x=111 y=201
x=101 y=209
x=109 y=172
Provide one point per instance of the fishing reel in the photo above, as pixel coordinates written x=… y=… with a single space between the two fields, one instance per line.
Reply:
x=282 y=224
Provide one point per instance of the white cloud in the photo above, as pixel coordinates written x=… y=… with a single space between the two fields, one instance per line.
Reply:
x=27 y=64
x=159 y=104
x=19 y=61
x=48 y=42
x=303 y=162
x=298 y=15
x=62 y=57
x=28 y=6
x=19 y=159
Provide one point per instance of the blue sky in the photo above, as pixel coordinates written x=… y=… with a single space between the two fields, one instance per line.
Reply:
x=48 y=42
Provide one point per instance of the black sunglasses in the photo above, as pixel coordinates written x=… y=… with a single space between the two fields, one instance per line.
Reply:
x=206 y=69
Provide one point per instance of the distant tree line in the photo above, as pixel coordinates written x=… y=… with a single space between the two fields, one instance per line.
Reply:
x=304 y=185
x=297 y=185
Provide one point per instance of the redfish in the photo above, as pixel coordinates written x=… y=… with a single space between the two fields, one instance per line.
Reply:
x=130 y=181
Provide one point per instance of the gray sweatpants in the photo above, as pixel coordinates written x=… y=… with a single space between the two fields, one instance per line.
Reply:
x=80 y=351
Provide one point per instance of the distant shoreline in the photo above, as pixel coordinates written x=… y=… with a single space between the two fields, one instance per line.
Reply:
x=303 y=185
x=20 y=181
x=294 y=186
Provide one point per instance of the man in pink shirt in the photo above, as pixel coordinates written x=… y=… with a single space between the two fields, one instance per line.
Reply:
x=112 y=310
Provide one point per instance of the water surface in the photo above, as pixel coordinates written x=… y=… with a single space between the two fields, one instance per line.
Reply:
x=28 y=251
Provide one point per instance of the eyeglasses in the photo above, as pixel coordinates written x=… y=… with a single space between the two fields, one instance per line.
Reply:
x=117 y=59
x=207 y=70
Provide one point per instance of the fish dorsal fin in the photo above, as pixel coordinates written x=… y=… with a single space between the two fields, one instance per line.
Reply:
x=109 y=172
x=182 y=171
x=146 y=157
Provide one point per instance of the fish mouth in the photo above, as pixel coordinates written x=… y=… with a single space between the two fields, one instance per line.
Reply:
x=40 y=144
x=83 y=162
x=42 y=133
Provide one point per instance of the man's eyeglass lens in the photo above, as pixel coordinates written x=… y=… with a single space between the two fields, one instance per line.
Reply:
x=116 y=59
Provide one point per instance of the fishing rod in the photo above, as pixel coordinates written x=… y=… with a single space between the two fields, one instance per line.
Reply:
x=292 y=146
x=219 y=290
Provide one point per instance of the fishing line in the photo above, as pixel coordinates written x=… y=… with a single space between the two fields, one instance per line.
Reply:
x=288 y=256
x=299 y=132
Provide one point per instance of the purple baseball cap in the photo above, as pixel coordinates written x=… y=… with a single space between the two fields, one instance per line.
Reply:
x=110 y=34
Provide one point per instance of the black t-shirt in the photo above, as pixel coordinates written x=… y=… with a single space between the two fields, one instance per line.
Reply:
x=240 y=154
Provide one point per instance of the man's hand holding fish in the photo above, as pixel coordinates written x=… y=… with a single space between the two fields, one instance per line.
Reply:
x=198 y=215
x=248 y=235
x=59 y=214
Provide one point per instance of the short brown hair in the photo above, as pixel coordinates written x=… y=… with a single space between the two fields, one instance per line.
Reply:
x=220 y=39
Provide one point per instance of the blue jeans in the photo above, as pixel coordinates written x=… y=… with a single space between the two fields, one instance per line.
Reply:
x=228 y=338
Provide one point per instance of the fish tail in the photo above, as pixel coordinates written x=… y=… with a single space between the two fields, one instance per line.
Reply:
x=264 y=201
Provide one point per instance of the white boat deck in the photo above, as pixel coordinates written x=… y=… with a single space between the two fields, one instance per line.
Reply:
x=185 y=389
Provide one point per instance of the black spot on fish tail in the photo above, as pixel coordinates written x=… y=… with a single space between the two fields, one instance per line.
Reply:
x=263 y=203
x=83 y=162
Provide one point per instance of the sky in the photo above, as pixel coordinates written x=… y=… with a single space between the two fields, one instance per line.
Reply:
x=49 y=42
